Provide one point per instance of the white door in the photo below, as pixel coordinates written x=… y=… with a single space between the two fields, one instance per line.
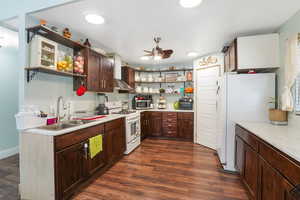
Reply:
x=206 y=106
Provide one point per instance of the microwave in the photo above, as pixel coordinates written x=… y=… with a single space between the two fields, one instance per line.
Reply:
x=142 y=102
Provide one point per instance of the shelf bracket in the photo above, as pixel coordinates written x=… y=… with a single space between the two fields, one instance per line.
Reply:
x=31 y=75
x=30 y=36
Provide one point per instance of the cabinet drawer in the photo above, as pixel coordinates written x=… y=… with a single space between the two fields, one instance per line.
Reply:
x=114 y=124
x=172 y=128
x=169 y=121
x=170 y=133
x=76 y=137
x=169 y=115
x=285 y=165
x=155 y=114
x=247 y=137
x=185 y=115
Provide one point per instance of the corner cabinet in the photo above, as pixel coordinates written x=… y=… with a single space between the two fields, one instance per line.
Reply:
x=267 y=173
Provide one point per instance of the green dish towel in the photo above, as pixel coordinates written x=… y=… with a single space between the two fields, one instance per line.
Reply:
x=95 y=145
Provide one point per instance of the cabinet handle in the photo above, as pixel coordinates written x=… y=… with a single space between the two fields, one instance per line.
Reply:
x=85 y=150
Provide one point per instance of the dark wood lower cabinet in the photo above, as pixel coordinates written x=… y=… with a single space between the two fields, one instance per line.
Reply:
x=258 y=166
x=155 y=124
x=70 y=170
x=73 y=165
x=173 y=125
x=239 y=156
x=251 y=170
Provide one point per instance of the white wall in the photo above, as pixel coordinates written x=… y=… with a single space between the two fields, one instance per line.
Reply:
x=292 y=26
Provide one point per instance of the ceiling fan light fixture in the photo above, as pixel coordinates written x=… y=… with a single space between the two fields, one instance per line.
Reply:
x=94 y=19
x=145 y=58
x=190 y=3
x=157 y=57
x=192 y=54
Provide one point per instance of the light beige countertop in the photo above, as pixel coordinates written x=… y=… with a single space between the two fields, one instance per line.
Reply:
x=75 y=128
x=284 y=138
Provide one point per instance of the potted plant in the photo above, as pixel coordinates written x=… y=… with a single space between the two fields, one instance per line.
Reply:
x=277 y=115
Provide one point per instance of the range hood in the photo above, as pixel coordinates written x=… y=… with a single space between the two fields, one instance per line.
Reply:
x=119 y=84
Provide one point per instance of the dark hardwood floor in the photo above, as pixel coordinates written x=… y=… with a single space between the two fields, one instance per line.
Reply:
x=9 y=178
x=166 y=170
x=157 y=170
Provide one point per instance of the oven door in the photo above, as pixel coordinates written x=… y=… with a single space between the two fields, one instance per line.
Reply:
x=133 y=129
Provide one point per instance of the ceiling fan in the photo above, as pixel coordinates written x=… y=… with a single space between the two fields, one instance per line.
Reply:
x=158 y=53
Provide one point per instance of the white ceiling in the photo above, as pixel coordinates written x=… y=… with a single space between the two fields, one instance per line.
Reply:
x=131 y=24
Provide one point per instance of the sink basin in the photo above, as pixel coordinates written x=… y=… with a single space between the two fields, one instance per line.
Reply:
x=64 y=125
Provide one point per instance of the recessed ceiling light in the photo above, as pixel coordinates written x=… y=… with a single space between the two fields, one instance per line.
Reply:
x=145 y=58
x=192 y=54
x=190 y=3
x=94 y=19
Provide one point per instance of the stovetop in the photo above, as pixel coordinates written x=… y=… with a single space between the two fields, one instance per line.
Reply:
x=125 y=112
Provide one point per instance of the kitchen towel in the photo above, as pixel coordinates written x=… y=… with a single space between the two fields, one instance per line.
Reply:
x=95 y=145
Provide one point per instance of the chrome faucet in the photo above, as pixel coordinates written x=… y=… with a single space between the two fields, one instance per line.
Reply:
x=58 y=117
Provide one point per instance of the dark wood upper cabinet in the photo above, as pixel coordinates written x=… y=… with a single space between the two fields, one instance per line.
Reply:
x=128 y=75
x=107 y=75
x=233 y=56
x=99 y=71
x=92 y=67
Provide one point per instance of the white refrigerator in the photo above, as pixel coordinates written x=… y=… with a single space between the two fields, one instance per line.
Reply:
x=240 y=97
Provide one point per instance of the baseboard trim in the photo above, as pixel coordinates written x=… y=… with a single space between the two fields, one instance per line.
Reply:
x=9 y=152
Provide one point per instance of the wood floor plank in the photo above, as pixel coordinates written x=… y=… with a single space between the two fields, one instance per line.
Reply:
x=166 y=170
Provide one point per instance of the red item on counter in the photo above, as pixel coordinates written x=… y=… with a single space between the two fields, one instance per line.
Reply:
x=51 y=121
x=81 y=91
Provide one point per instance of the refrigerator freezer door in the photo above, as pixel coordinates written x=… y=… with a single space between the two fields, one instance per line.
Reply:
x=247 y=100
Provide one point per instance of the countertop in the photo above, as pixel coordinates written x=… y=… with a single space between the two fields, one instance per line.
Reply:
x=94 y=123
x=284 y=138
x=68 y=130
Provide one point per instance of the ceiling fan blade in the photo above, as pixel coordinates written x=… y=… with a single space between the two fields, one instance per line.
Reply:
x=147 y=51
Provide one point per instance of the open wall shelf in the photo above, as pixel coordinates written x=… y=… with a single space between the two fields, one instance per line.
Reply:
x=167 y=70
x=32 y=71
x=52 y=35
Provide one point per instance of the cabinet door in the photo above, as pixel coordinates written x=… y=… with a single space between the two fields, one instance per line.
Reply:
x=128 y=75
x=119 y=142
x=98 y=161
x=144 y=125
x=107 y=74
x=93 y=71
x=272 y=184
x=115 y=143
x=233 y=57
x=70 y=170
x=239 y=155
x=251 y=170
x=226 y=62
x=186 y=129
x=155 y=124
